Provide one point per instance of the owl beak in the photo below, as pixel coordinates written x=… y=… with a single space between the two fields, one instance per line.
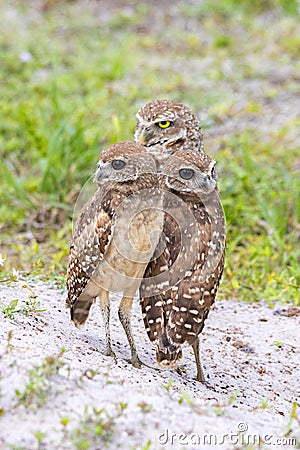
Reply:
x=145 y=136
x=102 y=173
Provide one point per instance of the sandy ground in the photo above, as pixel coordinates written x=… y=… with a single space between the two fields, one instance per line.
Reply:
x=254 y=380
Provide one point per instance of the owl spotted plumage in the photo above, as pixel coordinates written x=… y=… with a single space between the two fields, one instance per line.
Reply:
x=164 y=126
x=181 y=283
x=111 y=247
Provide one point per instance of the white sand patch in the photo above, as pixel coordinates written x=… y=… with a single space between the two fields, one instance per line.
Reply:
x=255 y=381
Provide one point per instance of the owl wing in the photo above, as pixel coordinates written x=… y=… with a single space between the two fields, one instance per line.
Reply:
x=195 y=294
x=92 y=235
x=154 y=300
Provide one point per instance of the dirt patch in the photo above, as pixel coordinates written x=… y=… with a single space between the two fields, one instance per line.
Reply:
x=249 y=353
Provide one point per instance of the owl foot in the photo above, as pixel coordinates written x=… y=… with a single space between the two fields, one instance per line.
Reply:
x=206 y=384
x=201 y=379
x=108 y=352
x=136 y=362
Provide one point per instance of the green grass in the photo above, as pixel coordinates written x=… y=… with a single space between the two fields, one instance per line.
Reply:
x=263 y=215
x=78 y=87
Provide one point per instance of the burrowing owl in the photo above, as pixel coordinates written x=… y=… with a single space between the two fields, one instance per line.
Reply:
x=164 y=126
x=180 y=285
x=111 y=243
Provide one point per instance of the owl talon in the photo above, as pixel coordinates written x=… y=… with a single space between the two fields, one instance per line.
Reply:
x=206 y=384
x=109 y=352
x=200 y=378
x=136 y=362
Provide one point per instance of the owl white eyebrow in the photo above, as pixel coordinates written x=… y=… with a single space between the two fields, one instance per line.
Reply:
x=158 y=119
x=212 y=165
x=121 y=157
x=163 y=118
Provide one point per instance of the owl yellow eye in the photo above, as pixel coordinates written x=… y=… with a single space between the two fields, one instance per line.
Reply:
x=164 y=124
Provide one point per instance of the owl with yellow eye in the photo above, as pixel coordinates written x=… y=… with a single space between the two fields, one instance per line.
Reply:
x=164 y=126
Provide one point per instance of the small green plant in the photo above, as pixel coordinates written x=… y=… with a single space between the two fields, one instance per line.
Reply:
x=264 y=403
x=30 y=307
x=95 y=429
x=168 y=386
x=281 y=344
x=147 y=446
x=39 y=435
x=145 y=407
x=38 y=387
x=185 y=398
x=11 y=309
x=64 y=421
x=294 y=419
x=220 y=408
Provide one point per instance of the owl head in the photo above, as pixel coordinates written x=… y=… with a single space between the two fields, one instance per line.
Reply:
x=189 y=172
x=123 y=162
x=167 y=126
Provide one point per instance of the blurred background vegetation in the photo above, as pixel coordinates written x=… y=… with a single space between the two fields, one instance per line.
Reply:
x=74 y=73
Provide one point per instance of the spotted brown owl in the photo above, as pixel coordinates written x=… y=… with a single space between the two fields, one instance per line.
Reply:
x=164 y=126
x=181 y=282
x=115 y=236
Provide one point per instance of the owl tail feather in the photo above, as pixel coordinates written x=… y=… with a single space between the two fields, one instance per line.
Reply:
x=167 y=353
x=80 y=311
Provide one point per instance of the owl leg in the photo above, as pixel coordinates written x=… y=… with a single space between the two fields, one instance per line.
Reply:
x=125 y=316
x=196 y=348
x=105 y=310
